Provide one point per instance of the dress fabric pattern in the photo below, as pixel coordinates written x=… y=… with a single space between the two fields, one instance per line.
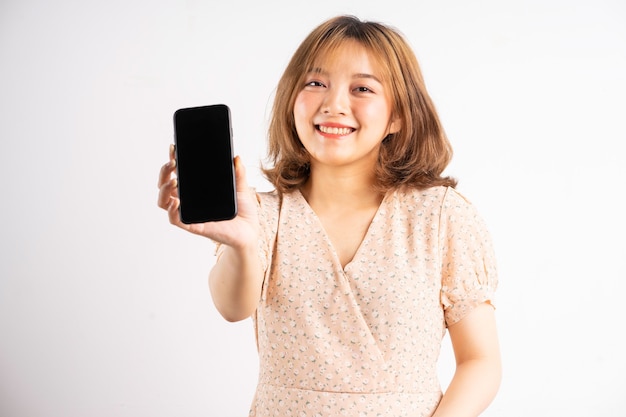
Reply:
x=364 y=340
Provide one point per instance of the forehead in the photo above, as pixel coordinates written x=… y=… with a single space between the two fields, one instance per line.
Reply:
x=347 y=55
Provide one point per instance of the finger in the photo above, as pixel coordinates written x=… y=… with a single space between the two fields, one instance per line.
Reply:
x=167 y=192
x=165 y=173
x=240 y=175
x=172 y=212
x=168 y=168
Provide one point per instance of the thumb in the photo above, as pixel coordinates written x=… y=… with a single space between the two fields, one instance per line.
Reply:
x=240 y=175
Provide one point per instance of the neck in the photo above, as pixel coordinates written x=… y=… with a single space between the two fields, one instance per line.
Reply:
x=334 y=188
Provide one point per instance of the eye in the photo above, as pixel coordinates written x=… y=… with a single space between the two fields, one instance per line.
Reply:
x=363 y=89
x=314 y=83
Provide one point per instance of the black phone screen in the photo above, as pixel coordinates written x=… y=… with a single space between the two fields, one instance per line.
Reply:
x=204 y=159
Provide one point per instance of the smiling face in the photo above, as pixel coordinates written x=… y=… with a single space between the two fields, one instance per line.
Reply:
x=343 y=111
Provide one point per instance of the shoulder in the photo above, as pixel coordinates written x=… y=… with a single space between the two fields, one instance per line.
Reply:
x=456 y=206
x=268 y=199
x=437 y=193
x=438 y=204
x=441 y=196
x=275 y=202
x=268 y=209
x=433 y=198
x=460 y=221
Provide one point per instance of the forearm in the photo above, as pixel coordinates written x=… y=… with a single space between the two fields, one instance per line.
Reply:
x=235 y=282
x=473 y=387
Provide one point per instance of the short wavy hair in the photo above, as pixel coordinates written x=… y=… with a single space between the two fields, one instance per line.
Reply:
x=413 y=157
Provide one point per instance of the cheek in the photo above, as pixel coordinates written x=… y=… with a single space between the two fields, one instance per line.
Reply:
x=377 y=115
x=303 y=110
x=304 y=103
x=299 y=106
x=300 y=114
x=297 y=115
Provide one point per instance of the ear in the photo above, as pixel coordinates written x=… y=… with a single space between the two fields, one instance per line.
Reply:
x=395 y=124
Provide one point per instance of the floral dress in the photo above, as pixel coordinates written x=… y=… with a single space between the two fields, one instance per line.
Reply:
x=364 y=340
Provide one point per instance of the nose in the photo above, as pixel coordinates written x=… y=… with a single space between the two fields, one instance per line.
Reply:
x=335 y=102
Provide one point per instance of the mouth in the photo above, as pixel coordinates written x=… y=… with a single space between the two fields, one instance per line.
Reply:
x=334 y=130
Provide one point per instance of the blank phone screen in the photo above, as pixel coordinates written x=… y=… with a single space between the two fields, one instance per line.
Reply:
x=204 y=157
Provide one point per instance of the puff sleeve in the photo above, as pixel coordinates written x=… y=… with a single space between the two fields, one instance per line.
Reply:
x=468 y=264
x=269 y=206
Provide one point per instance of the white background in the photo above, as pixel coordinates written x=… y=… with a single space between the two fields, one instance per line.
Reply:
x=104 y=307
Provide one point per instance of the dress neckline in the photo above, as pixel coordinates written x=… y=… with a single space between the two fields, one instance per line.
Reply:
x=370 y=230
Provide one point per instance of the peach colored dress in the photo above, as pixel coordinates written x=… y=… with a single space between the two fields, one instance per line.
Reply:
x=364 y=340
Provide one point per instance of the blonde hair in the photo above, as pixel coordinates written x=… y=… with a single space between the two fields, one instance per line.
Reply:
x=415 y=156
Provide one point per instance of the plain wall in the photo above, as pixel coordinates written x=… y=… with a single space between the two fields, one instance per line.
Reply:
x=104 y=307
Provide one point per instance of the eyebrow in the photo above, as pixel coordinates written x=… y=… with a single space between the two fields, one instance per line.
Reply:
x=318 y=70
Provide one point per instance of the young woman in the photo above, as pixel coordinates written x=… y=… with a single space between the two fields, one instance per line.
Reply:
x=363 y=256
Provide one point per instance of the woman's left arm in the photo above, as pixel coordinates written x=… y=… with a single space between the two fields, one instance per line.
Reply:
x=478 y=366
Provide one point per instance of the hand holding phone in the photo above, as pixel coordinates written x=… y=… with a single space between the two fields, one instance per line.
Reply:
x=204 y=163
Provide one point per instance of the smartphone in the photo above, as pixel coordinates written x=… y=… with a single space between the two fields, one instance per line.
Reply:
x=204 y=161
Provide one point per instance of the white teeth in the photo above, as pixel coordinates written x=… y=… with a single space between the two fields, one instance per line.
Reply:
x=335 y=130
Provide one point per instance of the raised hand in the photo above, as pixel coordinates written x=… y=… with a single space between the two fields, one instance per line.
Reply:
x=239 y=232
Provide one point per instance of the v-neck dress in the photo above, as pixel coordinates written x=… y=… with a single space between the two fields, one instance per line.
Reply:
x=364 y=340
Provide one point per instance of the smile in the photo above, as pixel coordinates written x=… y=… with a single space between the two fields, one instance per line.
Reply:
x=339 y=131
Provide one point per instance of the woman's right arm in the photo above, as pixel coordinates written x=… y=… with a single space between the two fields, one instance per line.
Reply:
x=237 y=276
x=235 y=282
